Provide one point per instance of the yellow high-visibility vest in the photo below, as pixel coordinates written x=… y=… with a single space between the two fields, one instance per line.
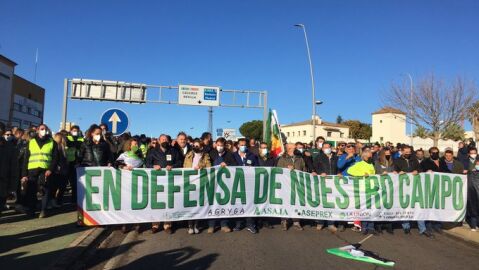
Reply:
x=40 y=158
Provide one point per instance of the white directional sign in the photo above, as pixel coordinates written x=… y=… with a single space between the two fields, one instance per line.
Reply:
x=198 y=95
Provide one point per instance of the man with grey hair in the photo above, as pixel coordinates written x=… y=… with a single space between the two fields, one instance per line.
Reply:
x=293 y=162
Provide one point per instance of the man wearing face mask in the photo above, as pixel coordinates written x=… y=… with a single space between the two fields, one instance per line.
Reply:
x=221 y=156
x=327 y=164
x=471 y=160
x=163 y=156
x=266 y=160
x=318 y=143
x=406 y=163
x=245 y=158
x=307 y=157
x=8 y=136
x=8 y=168
x=74 y=143
x=40 y=161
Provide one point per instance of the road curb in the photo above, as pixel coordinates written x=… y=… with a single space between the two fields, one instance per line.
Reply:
x=115 y=260
x=78 y=247
x=464 y=234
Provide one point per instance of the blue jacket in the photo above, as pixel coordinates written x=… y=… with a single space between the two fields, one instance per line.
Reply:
x=250 y=159
x=344 y=164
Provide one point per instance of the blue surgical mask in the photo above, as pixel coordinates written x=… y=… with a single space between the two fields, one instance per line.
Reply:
x=264 y=151
x=477 y=167
x=242 y=148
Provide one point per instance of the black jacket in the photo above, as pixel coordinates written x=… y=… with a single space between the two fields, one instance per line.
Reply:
x=181 y=156
x=8 y=168
x=324 y=164
x=92 y=154
x=267 y=162
x=169 y=157
x=308 y=161
x=41 y=142
x=429 y=165
x=406 y=165
x=227 y=158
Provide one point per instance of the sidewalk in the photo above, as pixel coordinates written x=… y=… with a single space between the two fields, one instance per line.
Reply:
x=464 y=232
x=27 y=243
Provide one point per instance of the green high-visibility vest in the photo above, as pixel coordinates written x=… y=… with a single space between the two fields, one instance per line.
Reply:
x=143 y=149
x=40 y=158
x=72 y=151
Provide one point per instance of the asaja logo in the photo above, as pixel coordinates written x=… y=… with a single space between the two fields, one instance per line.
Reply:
x=342 y=215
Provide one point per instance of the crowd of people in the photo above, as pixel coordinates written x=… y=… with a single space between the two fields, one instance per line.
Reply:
x=37 y=162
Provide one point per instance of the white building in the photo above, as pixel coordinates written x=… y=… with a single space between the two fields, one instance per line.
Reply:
x=7 y=69
x=28 y=103
x=389 y=125
x=303 y=131
x=21 y=101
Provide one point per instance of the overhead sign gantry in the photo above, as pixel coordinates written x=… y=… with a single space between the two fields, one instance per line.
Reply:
x=193 y=95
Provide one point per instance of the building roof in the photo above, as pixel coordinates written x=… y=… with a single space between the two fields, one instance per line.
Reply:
x=7 y=61
x=28 y=89
x=388 y=110
x=318 y=123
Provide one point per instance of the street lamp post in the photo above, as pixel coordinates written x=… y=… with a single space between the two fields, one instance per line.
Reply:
x=411 y=89
x=312 y=78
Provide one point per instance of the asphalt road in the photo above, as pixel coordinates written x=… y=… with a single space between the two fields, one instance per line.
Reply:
x=276 y=249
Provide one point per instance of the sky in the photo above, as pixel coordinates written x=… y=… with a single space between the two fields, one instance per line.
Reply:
x=358 y=49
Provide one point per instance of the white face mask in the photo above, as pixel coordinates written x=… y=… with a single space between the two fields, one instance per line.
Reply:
x=327 y=151
x=301 y=150
x=220 y=149
x=74 y=133
x=43 y=133
x=320 y=145
x=96 y=138
x=473 y=156
x=264 y=151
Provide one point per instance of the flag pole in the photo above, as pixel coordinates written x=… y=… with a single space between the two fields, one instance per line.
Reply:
x=36 y=64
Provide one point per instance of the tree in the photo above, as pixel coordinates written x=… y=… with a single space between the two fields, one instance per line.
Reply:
x=339 y=119
x=432 y=103
x=252 y=129
x=473 y=117
x=454 y=132
x=421 y=132
x=358 y=130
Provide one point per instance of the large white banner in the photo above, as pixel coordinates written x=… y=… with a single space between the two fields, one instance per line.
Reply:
x=110 y=196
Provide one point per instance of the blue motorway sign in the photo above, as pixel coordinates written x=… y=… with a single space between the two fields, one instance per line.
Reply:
x=116 y=121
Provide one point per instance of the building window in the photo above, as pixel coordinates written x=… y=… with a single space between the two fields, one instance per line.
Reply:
x=16 y=122
x=287 y=134
x=380 y=121
x=304 y=132
x=381 y=139
x=340 y=134
x=17 y=107
x=329 y=134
